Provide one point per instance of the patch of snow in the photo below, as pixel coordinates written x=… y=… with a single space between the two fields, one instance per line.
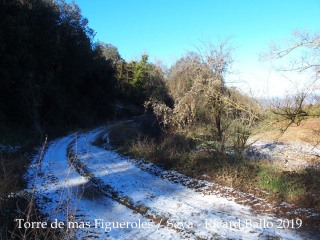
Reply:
x=291 y=155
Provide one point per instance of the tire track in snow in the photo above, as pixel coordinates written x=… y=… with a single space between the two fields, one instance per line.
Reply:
x=174 y=202
x=61 y=193
x=257 y=204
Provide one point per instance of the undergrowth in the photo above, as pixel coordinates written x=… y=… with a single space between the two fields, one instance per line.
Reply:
x=178 y=152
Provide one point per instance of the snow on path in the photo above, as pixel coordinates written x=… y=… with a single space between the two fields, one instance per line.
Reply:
x=60 y=193
x=141 y=205
x=203 y=216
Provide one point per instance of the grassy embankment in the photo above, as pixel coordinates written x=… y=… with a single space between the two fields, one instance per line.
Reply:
x=181 y=152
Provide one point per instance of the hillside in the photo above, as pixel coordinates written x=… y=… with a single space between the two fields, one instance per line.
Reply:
x=307 y=132
x=294 y=149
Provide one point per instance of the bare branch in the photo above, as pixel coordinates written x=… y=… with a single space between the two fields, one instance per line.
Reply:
x=301 y=42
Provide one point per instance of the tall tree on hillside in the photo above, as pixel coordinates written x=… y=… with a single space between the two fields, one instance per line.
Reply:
x=110 y=52
x=51 y=72
x=139 y=80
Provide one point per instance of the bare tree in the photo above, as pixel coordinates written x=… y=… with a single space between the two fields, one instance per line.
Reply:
x=301 y=55
x=197 y=84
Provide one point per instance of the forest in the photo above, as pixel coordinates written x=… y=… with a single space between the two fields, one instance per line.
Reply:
x=56 y=79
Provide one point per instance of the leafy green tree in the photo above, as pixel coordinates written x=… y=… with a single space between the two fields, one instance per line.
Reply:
x=51 y=73
x=140 y=71
x=140 y=80
x=110 y=52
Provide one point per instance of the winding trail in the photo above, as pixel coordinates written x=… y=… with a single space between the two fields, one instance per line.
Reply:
x=111 y=197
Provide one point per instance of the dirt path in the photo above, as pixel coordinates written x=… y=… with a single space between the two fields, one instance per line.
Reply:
x=117 y=198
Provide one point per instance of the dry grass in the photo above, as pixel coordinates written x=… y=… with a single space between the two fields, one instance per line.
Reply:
x=13 y=167
x=177 y=151
x=307 y=131
x=19 y=206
